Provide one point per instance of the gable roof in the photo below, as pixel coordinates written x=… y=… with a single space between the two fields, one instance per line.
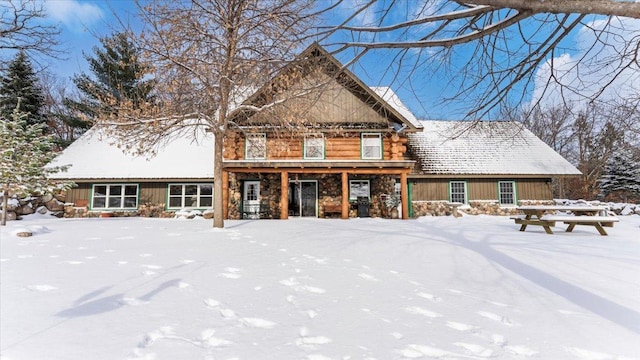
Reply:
x=382 y=100
x=93 y=157
x=486 y=148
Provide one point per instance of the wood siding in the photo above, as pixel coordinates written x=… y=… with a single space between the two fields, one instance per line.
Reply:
x=346 y=147
x=480 y=189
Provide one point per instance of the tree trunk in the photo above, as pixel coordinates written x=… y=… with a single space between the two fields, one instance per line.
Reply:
x=218 y=215
x=5 y=205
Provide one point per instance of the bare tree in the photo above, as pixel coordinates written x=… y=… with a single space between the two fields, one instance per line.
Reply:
x=588 y=138
x=208 y=55
x=22 y=28
x=495 y=47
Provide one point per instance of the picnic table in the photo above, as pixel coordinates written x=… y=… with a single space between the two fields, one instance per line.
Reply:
x=596 y=216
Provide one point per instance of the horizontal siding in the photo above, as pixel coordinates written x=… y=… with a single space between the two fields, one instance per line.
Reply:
x=336 y=148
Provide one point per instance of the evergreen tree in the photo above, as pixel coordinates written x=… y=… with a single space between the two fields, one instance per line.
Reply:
x=621 y=179
x=24 y=152
x=20 y=85
x=119 y=77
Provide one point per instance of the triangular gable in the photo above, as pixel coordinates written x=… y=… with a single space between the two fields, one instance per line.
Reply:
x=334 y=71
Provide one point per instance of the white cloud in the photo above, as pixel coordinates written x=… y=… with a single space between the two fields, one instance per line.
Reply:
x=593 y=66
x=73 y=14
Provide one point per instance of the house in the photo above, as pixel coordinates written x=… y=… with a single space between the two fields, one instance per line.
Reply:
x=488 y=167
x=317 y=142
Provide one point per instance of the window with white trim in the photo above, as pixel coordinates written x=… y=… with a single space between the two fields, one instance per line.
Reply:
x=458 y=191
x=115 y=196
x=507 y=192
x=358 y=188
x=190 y=196
x=314 y=147
x=371 y=146
x=256 y=146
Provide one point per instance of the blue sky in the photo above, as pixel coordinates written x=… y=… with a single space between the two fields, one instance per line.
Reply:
x=81 y=22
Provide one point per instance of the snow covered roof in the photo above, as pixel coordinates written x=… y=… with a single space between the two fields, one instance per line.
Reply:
x=487 y=148
x=392 y=99
x=93 y=157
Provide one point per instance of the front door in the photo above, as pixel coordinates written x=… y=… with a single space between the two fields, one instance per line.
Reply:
x=303 y=198
x=251 y=200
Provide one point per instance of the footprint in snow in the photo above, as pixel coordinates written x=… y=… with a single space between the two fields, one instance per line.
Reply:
x=207 y=338
x=415 y=351
x=312 y=289
x=230 y=275
x=131 y=301
x=368 y=277
x=421 y=311
x=227 y=313
x=475 y=349
x=258 y=323
x=312 y=341
x=42 y=288
x=211 y=303
x=520 y=350
x=495 y=317
x=429 y=297
x=460 y=326
x=152 y=267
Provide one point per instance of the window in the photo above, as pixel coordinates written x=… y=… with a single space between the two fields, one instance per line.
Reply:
x=458 y=191
x=358 y=188
x=190 y=195
x=115 y=196
x=507 y=192
x=256 y=146
x=314 y=147
x=371 y=146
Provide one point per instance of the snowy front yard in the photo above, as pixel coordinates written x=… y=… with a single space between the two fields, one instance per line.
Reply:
x=468 y=288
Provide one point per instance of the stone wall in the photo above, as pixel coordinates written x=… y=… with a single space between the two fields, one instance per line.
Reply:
x=475 y=207
x=16 y=208
x=145 y=210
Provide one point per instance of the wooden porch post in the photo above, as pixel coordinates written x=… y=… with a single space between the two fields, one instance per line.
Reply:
x=284 y=195
x=345 y=195
x=225 y=194
x=404 y=196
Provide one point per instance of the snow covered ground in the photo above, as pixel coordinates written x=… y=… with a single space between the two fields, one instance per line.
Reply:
x=467 y=288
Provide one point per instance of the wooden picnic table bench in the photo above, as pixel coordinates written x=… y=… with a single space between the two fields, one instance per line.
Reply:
x=582 y=215
x=598 y=221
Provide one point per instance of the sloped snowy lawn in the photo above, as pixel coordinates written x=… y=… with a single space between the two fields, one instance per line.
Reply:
x=468 y=288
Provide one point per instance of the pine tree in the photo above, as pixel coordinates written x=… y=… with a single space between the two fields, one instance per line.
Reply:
x=118 y=77
x=621 y=177
x=20 y=85
x=24 y=152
